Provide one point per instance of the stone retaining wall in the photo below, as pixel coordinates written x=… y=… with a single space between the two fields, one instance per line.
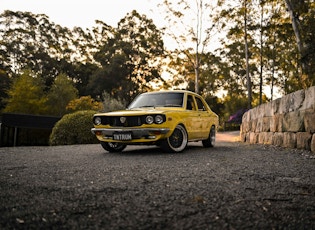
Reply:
x=287 y=122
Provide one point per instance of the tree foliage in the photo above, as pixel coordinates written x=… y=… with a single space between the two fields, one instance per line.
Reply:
x=60 y=94
x=5 y=83
x=273 y=53
x=191 y=25
x=130 y=60
x=122 y=61
x=302 y=14
x=84 y=103
x=32 y=41
x=26 y=95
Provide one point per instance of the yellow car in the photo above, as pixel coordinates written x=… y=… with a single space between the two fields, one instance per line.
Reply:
x=169 y=119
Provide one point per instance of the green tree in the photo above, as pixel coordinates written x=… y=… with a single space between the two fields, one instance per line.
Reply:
x=302 y=14
x=212 y=73
x=274 y=60
x=281 y=66
x=60 y=94
x=131 y=60
x=26 y=95
x=5 y=83
x=232 y=103
x=83 y=73
x=192 y=26
x=32 y=41
x=240 y=47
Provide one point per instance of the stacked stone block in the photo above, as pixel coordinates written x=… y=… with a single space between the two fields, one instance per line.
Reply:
x=287 y=122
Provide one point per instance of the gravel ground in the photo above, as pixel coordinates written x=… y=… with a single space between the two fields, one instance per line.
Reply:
x=231 y=186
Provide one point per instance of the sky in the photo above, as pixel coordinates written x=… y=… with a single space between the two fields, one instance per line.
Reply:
x=83 y=13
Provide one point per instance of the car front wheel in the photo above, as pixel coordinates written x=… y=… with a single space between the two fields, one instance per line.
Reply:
x=211 y=138
x=177 y=142
x=113 y=147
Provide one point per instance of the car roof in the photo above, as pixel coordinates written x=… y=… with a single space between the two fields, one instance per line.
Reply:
x=173 y=91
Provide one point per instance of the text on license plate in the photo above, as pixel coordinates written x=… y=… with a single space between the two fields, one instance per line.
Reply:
x=122 y=136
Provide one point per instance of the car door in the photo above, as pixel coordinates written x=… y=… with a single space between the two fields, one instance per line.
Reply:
x=192 y=118
x=203 y=116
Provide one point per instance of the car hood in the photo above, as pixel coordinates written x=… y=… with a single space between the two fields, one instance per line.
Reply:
x=141 y=111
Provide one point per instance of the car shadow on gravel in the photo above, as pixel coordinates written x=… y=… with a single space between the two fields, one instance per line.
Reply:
x=152 y=150
x=139 y=150
x=194 y=147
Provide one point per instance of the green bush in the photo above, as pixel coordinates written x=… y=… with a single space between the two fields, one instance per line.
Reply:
x=74 y=128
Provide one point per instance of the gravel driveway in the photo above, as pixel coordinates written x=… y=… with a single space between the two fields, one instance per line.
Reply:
x=231 y=186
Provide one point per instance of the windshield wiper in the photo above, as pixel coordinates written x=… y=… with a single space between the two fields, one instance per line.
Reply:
x=143 y=106
x=146 y=106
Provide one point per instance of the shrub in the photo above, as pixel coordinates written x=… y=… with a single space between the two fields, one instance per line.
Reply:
x=74 y=128
x=84 y=103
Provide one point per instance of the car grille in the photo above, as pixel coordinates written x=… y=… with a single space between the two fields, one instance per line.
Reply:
x=117 y=121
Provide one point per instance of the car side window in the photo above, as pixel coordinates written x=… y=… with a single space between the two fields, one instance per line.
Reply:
x=190 y=103
x=201 y=106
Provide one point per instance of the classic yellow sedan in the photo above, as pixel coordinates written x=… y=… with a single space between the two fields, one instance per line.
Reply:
x=169 y=119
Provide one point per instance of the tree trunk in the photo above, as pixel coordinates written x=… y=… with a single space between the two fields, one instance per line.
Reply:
x=248 y=79
x=295 y=26
x=261 y=53
x=304 y=49
x=197 y=74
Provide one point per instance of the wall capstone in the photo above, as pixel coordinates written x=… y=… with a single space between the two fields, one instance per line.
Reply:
x=288 y=121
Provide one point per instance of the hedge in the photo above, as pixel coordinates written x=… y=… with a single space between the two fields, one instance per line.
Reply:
x=74 y=128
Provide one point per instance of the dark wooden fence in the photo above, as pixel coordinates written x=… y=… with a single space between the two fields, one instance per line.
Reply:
x=32 y=126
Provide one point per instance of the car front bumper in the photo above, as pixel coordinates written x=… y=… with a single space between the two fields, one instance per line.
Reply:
x=137 y=134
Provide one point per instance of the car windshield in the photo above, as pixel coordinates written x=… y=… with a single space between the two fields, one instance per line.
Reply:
x=158 y=100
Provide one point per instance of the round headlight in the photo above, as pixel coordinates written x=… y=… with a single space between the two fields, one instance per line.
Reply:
x=97 y=121
x=149 y=120
x=158 y=119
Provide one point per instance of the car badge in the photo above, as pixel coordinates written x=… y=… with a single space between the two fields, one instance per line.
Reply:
x=122 y=120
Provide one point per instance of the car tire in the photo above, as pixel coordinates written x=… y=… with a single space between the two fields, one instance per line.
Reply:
x=211 y=139
x=177 y=142
x=113 y=147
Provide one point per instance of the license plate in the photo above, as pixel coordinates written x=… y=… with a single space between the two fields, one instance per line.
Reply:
x=122 y=136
